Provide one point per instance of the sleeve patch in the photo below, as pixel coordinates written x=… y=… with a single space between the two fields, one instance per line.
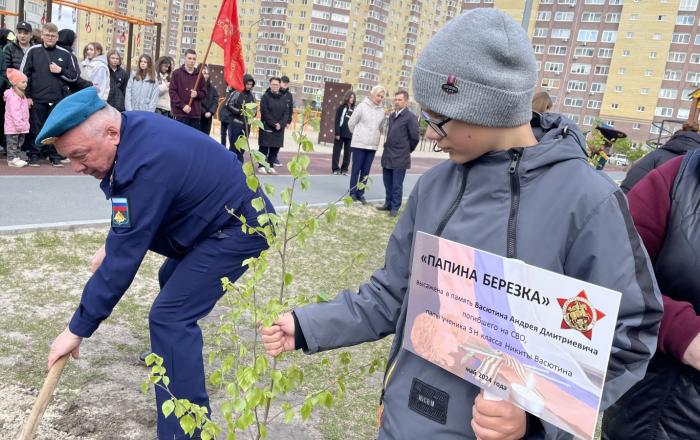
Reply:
x=121 y=214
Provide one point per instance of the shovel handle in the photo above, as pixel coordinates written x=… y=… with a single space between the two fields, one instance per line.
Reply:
x=42 y=401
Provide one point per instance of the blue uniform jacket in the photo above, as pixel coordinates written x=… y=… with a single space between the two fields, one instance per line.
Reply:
x=170 y=186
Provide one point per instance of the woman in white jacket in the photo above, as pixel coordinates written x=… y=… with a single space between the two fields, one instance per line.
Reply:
x=95 y=69
x=365 y=125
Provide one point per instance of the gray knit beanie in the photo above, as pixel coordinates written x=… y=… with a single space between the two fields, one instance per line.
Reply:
x=479 y=68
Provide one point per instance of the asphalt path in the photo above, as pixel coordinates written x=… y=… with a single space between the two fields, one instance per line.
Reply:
x=55 y=198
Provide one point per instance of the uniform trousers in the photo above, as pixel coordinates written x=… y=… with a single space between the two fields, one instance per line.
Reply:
x=190 y=287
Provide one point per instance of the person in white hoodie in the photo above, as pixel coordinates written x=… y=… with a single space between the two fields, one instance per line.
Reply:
x=95 y=69
x=365 y=125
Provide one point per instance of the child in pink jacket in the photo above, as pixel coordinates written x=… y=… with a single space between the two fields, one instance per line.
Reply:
x=16 y=118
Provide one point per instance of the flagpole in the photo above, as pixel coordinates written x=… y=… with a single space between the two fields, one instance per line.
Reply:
x=201 y=68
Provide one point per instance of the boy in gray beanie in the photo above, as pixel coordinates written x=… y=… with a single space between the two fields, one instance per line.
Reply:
x=503 y=191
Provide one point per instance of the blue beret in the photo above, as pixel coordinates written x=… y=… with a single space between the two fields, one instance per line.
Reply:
x=69 y=113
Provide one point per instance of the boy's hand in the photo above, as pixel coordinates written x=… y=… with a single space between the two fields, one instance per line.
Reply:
x=497 y=419
x=279 y=337
x=55 y=68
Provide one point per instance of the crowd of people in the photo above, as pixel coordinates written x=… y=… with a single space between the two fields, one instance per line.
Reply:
x=38 y=70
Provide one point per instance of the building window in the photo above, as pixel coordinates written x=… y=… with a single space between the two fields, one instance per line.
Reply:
x=695 y=58
x=688 y=5
x=676 y=57
x=648 y=72
x=660 y=18
x=557 y=50
x=544 y=16
x=587 y=35
x=550 y=83
x=576 y=86
x=588 y=120
x=664 y=111
x=602 y=70
x=640 y=108
x=614 y=106
x=580 y=69
x=540 y=33
x=630 y=34
x=652 y=55
x=685 y=20
x=625 y=53
x=590 y=17
x=594 y=104
x=538 y=48
x=668 y=93
x=618 y=89
x=584 y=52
x=683 y=113
x=564 y=16
x=605 y=52
x=656 y=36
x=573 y=102
x=561 y=33
x=609 y=37
x=634 y=17
x=635 y=126
x=644 y=91
x=693 y=77
x=553 y=67
x=621 y=71
x=597 y=88
x=612 y=17
x=672 y=75
x=680 y=38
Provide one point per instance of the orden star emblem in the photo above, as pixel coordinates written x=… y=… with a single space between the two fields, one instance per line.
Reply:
x=579 y=314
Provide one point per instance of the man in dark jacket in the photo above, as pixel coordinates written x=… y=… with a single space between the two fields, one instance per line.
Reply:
x=209 y=103
x=274 y=112
x=50 y=71
x=182 y=91
x=401 y=139
x=683 y=141
x=287 y=95
x=231 y=113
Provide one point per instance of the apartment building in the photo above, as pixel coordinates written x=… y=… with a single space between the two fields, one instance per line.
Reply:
x=630 y=64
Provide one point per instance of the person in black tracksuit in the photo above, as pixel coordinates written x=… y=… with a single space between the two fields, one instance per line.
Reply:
x=50 y=71
x=343 y=135
x=232 y=116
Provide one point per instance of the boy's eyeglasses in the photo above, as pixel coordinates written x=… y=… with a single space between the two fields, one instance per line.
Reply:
x=436 y=125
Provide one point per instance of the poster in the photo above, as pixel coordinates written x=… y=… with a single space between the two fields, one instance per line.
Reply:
x=537 y=338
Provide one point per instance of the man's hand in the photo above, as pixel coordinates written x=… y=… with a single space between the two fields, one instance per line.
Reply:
x=497 y=419
x=692 y=353
x=193 y=93
x=277 y=126
x=207 y=115
x=337 y=138
x=65 y=343
x=97 y=259
x=187 y=109
x=279 y=337
x=55 y=68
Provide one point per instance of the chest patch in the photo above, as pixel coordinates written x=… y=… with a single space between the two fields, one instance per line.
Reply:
x=121 y=214
x=428 y=401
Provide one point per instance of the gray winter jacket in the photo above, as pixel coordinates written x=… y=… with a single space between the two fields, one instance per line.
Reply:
x=141 y=95
x=544 y=205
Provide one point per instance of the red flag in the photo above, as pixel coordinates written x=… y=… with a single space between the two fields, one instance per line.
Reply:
x=226 y=34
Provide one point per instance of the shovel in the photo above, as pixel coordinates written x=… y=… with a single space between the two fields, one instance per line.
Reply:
x=42 y=401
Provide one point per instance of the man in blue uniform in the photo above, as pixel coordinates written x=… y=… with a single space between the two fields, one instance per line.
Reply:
x=170 y=186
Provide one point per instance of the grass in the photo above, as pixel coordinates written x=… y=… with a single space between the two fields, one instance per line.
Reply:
x=45 y=272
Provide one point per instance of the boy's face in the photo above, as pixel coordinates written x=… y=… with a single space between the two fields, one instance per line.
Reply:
x=464 y=142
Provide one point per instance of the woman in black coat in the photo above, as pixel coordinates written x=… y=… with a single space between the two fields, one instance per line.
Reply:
x=343 y=135
x=209 y=104
x=118 y=79
x=274 y=112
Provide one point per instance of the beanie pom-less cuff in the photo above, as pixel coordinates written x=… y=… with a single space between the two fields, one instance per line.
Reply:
x=473 y=103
